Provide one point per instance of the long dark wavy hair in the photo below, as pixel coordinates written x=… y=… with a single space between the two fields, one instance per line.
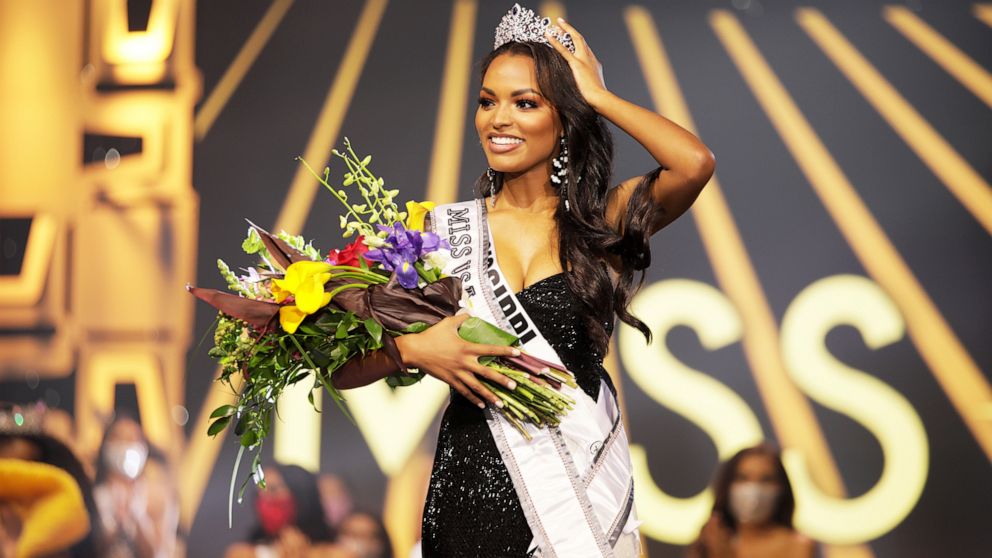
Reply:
x=586 y=241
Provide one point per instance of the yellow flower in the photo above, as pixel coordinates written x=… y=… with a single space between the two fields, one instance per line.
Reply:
x=305 y=281
x=415 y=213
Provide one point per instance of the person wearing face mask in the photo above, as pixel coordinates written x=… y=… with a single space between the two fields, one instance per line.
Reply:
x=137 y=504
x=290 y=519
x=752 y=511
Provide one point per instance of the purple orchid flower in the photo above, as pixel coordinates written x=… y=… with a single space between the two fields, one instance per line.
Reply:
x=403 y=249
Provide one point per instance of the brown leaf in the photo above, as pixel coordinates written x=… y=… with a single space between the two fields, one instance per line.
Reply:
x=258 y=313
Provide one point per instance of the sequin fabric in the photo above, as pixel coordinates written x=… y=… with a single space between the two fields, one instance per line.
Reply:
x=472 y=508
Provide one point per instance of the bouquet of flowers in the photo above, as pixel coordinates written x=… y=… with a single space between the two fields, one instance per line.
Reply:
x=296 y=315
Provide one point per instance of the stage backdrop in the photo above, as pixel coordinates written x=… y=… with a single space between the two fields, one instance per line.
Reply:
x=829 y=290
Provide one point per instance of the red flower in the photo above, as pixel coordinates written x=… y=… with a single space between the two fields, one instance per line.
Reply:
x=351 y=255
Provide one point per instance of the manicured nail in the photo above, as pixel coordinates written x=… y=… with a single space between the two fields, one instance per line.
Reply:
x=515 y=352
x=511 y=385
x=545 y=370
x=499 y=404
x=482 y=405
x=561 y=20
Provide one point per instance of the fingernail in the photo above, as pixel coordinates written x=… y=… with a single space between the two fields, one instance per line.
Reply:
x=545 y=370
x=515 y=352
x=482 y=405
x=512 y=385
x=499 y=404
x=561 y=19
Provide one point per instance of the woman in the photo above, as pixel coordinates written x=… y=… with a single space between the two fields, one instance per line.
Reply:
x=28 y=439
x=291 y=520
x=138 y=504
x=550 y=252
x=752 y=511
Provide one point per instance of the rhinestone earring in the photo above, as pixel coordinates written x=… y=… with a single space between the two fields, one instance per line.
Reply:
x=491 y=174
x=559 y=172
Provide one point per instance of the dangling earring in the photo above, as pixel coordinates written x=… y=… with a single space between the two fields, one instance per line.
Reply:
x=559 y=174
x=491 y=174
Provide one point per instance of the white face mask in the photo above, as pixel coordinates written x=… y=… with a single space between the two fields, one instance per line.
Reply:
x=126 y=458
x=753 y=502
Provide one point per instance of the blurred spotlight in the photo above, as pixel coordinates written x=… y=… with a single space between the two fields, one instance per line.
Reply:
x=180 y=414
x=112 y=159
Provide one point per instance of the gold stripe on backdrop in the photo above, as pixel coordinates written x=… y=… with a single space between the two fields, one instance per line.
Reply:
x=936 y=153
x=949 y=57
x=947 y=358
x=449 y=128
x=232 y=77
x=296 y=437
x=790 y=413
x=299 y=198
x=199 y=460
x=940 y=349
x=983 y=12
x=404 y=491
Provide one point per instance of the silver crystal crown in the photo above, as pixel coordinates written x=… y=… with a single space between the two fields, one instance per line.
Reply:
x=521 y=24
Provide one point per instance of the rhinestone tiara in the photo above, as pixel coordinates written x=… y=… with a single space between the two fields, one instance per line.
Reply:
x=521 y=24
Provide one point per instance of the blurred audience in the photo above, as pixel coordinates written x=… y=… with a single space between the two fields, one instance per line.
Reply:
x=290 y=519
x=47 y=506
x=752 y=511
x=365 y=535
x=334 y=498
x=135 y=495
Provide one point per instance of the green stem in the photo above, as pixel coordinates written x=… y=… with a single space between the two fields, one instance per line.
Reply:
x=367 y=172
x=378 y=280
x=230 y=494
x=333 y=192
x=331 y=390
x=348 y=286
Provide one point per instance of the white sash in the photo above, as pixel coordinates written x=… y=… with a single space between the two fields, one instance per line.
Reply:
x=574 y=481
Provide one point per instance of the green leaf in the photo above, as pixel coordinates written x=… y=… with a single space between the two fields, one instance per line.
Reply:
x=252 y=243
x=374 y=329
x=481 y=331
x=249 y=438
x=223 y=411
x=347 y=322
x=402 y=380
x=311 y=330
x=415 y=327
x=217 y=426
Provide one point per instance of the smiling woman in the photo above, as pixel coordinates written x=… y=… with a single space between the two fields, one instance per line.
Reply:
x=549 y=251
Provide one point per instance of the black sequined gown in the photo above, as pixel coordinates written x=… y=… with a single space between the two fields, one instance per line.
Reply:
x=472 y=509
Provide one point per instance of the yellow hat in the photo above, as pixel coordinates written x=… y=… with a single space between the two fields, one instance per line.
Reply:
x=50 y=503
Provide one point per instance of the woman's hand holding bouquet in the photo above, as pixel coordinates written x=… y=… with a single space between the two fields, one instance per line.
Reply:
x=384 y=298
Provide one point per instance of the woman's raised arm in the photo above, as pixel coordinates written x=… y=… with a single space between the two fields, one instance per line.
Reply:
x=686 y=161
